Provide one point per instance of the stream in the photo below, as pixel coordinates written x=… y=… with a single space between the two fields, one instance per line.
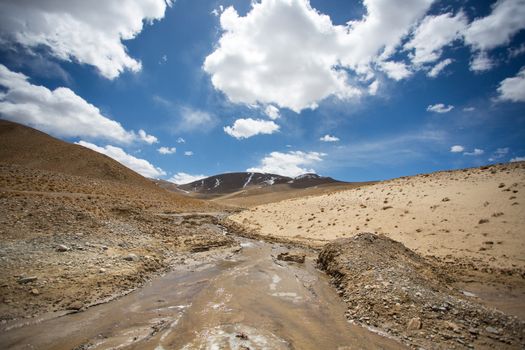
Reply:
x=242 y=300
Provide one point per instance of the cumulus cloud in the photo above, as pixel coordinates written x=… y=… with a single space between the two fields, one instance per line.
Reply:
x=373 y=87
x=513 y=89
x=150 y=139
x=481 y=62
x=188 y=153
x=434 y=72
x=286 y=53
x=59 y=112
x=457 y=149
x=433 y=34
x=167 y=150
x=272 y=112
x=245 y=128
x=440 y=108
x=184 y=178
x=496 y=29
x=476 y=152
x=396 y=70
x=517 y=159
x=181 y=140
x=288 y=164
x=329 y=138
x=141 y=166
x=76 y=30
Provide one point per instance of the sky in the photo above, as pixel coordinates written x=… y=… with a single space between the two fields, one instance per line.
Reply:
x=355 y=90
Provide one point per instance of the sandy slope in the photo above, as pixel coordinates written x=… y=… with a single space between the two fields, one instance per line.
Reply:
x=476 y=214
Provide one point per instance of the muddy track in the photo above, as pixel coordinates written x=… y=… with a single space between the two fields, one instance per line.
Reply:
x=237 y=298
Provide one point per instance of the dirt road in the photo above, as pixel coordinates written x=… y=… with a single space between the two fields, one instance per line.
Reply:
x=242 y=300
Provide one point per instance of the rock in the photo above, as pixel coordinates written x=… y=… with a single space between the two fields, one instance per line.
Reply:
x=473 y=331
x=492 y=330
x=287 y=256
x=25 y=280
x=453 y=326
x=102 y=270
x=35 y=291
x=414 y=324
x=76 y=305
x=131 y=257
x=62 y=248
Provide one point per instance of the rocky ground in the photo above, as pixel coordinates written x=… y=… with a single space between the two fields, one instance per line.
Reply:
x=390 y=288
x=68 y=242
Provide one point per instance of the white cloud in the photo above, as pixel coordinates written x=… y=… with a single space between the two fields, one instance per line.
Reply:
x=245 y=128
x=506 y=19
x=288 y=164
x=150 y=139
x=272 y=112
x=184 y=178
x=469 y=109
x=433 y=34
x=516 y=51
x=395 y=70
x=329 y=138
x=59 y=112
x=513 y=89
x=192 y=119
x=457 y=149
x=188 y=153
x=167 y=150
x=379 y=33
x=440 y=108
x=476 y=152
x=181 y=140
x=288 y=54
x=481 y=62
x=434 y=72
x=373 y=87
x=517 y=159
x=500 y=153
x=76 y=30
x=141 y=166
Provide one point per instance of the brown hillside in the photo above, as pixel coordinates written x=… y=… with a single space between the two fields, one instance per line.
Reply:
x=28 y=147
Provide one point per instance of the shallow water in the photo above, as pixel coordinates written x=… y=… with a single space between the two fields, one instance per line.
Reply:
x=248 y=300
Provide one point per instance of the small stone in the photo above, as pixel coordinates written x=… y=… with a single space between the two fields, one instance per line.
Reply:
x=468 y=294
x=414 y=324
x=25 y=280
x=102 y=270
x=453 y=326
x=131 y=257
x=76 y=305
x=35 y=291
x=492 y=330
x=62 y=248
x=287 y=256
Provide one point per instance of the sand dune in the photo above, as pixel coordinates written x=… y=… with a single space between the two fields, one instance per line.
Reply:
x=473 y=214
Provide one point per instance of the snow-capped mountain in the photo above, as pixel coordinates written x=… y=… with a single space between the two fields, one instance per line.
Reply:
x=233 y=182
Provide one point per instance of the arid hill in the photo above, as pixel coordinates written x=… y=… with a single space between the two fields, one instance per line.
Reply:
x=474 y=214
x=77 y=227
x=31 y=148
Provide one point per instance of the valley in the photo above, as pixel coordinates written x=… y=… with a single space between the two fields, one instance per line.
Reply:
x=95 y=256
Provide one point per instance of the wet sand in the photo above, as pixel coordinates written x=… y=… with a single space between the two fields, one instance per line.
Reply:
x=243 y=300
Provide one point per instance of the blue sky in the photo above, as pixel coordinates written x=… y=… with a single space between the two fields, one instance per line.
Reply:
x=355 y=90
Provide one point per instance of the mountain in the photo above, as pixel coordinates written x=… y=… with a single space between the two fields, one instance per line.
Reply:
x=31 y=148
x=233 y=182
